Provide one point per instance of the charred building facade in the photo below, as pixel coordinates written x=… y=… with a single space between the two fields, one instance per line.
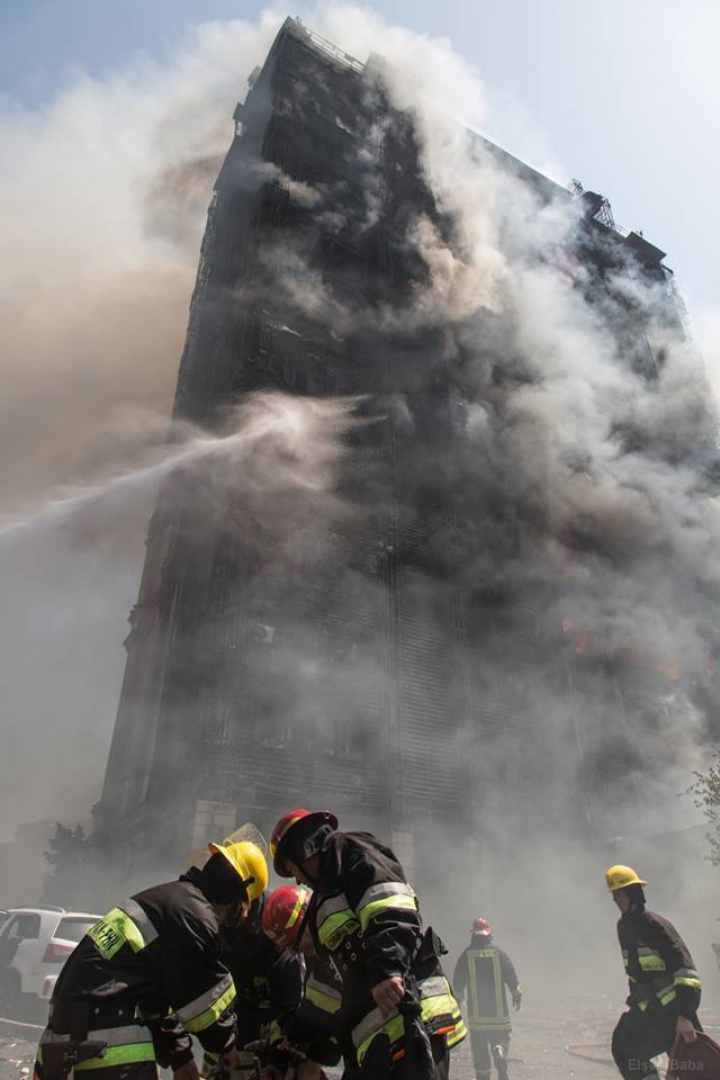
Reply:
x=358 y=657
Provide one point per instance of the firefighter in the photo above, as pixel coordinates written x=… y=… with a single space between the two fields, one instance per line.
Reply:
x=398 y=1016
x=313 y=1026
x=664 y=985
x=268 y=984
x=483 y=972
x=156 y=954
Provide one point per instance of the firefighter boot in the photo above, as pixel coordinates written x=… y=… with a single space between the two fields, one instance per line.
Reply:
x=498 y=1053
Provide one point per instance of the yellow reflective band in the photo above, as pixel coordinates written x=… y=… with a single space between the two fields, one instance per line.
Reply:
x=666 y=996
x=337 y=927
x=272 y=1032
x=212 y=1014
x=458 y=1033
x=504 y=1024
x=687 y=977
x=115 y=930
x=141 y=919
x=119 y=1055
x=477 y=1020
x=275 y=844
x=394 y=1028
x=302 y=893
x=651 y=962
x=437 y=1007
x=398 y=902
x=439 y=1012
x=321 y=1000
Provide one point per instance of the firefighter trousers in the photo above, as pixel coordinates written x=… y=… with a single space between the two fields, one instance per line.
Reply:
x=640 y=1036
x=489 y=1046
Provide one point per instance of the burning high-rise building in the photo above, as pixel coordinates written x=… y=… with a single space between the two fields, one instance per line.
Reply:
x=420 y=646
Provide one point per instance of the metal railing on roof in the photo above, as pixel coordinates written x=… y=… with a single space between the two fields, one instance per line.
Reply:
x=331 y=50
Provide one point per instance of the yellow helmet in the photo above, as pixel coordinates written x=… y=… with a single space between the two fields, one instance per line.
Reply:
x=619 y=877
x=248 y=861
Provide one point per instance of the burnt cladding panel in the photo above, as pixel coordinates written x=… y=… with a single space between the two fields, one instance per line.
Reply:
x=428 y=743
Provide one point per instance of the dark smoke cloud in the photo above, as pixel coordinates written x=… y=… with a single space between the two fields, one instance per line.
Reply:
x=572 y=472
x=584 y=485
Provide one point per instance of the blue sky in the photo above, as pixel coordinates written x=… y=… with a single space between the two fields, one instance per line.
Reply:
x=623 y=94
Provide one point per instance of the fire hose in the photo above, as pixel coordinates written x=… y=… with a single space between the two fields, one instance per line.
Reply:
x=579 y=1050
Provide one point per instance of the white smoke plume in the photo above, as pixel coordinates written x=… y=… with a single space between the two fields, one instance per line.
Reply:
x=105 y=188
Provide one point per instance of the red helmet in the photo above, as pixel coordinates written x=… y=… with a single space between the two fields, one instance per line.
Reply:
x=283 y=914
x=280 y=833
x=481 y=928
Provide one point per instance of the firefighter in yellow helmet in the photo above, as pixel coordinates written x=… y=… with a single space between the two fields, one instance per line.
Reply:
x=664 y=985
x=155 y=954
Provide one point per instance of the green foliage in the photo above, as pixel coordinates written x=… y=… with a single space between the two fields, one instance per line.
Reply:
x=706 y=796
x=68 y=857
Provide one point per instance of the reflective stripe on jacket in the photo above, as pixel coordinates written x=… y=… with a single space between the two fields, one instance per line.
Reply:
x=484 y=972
x=314 y=1025
x=658 y=963
x=438 y=1010
x=365 y=915
x=126 y=1045
x=158 y=952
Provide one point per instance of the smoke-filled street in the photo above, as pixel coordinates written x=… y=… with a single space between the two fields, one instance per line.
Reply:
x=580 y=1022
x=537 y=1050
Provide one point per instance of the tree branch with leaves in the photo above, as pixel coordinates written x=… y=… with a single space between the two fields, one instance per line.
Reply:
x=706 y=796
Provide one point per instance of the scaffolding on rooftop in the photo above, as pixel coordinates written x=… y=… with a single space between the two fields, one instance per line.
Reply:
x=329 y=49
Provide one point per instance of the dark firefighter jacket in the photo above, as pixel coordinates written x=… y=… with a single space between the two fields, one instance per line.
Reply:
x=365 y=916
x=268 y=984
x=658 y=963
x=155 y=953
x=485 y=971
x=314 y=1026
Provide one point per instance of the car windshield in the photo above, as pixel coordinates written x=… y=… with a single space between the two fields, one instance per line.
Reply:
x=73 y=929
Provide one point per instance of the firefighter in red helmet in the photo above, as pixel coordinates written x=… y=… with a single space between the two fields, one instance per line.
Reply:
x=313 y=1025
x=398 y=1016
x=483 y=971
x=269 y=984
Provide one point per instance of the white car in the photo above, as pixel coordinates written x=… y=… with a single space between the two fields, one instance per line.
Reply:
x=34 y=944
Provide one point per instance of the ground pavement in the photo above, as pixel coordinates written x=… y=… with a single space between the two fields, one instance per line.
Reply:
x=537 y=1050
